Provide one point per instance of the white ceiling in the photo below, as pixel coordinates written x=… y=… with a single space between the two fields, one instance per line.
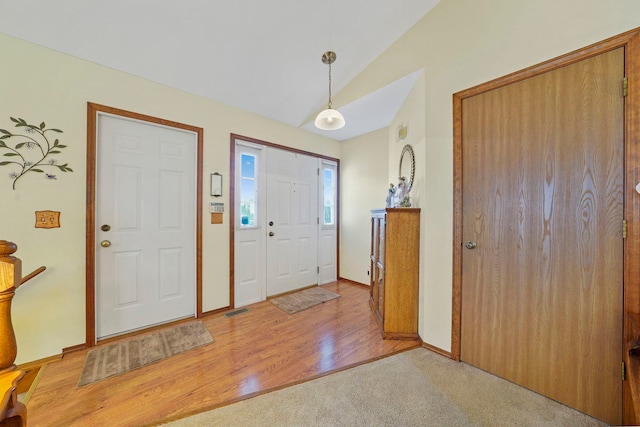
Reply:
x=262 y=56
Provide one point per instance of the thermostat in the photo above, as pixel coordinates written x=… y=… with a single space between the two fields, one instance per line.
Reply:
x=216 y=207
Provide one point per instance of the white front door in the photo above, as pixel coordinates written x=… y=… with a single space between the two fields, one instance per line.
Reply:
x=145 y=225
x=292 y=221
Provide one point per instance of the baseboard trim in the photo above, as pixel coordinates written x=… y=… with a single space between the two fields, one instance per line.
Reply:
x=438 y=350
x=73 y=349
x=353 y=282
x=38 y=363
x=216 y=311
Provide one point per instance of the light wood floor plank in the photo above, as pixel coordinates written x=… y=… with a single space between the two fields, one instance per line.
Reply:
x=255 y=352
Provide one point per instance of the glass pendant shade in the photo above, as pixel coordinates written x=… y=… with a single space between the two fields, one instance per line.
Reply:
x=330 y=119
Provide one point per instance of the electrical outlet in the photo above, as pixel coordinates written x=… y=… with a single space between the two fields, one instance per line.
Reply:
x=47 y=219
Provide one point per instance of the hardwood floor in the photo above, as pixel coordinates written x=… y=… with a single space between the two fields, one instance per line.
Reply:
x=255 y=352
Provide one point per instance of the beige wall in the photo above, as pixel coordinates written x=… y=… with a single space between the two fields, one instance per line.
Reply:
x=369 y=163
x=412 y=115
x=459 y=44
x=363 y=178
x=38 y=85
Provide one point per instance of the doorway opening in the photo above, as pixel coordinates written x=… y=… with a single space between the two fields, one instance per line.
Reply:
x=625 y=123
x=170 y=278
x=283 y=220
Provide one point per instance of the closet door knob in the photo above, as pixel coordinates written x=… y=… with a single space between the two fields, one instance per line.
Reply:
x=470 y=245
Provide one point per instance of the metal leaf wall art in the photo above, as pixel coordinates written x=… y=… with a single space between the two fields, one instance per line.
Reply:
x=31 y=149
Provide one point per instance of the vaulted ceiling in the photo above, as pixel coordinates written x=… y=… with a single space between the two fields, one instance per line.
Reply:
x=262 y=56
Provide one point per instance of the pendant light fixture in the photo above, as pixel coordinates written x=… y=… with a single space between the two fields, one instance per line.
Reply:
x=329 y=119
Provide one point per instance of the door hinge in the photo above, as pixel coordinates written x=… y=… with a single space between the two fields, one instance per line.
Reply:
x=624 y=371
x=318 y=270
x=625 y=86
x=624 y=228
x=318 y=220
x=318 y=171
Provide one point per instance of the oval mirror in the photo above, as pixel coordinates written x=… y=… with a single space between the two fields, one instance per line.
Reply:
x=407 y=166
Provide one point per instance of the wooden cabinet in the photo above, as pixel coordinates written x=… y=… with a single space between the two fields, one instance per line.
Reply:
x=395 y=263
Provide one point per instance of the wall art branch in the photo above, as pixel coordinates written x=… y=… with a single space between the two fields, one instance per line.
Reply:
x=31 y=150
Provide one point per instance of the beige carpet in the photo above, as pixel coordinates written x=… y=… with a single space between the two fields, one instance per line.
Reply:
x=414 y=388
x=114 y=359
x=298 y=301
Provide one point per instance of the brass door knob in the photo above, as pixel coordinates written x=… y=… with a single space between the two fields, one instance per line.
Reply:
x=271 y=234
x=470 y=245
x=105 y=243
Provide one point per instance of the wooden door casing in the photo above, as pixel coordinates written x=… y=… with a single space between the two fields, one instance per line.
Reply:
x=542 y=293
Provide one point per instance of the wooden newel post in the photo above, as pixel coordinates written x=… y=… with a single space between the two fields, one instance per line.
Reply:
x=10 y=279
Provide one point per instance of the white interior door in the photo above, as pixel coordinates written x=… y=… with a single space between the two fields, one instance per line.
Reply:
x=145 y=225
x=292 y=221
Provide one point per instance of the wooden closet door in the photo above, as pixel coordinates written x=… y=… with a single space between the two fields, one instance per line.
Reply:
x=543 y=200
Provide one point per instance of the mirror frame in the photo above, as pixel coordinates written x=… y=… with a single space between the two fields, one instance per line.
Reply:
x=407 y=150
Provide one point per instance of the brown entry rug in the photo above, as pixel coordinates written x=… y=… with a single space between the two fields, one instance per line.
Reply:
x=114 y=359
x=298 y=301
